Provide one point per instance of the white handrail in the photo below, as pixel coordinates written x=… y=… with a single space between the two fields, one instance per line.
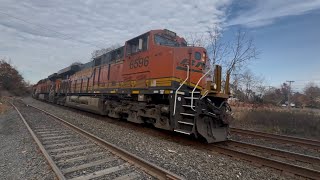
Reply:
x=175 y=96
x=195 y=89
x=205 y=94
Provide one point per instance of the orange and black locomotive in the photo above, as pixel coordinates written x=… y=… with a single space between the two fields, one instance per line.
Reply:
x=155 y=78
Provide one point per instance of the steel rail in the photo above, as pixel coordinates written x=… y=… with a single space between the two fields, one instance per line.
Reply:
x=286 y=154
x=281 y=138
x=146 y=166
x=275 y=164
x=54 y=167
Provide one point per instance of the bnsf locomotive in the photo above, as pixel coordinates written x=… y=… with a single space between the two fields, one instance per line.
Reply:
x=154 y=78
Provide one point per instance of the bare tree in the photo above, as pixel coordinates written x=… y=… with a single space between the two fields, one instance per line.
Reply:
x=249 y=81
x=312 y=94
x=261 y=90
x=211 y=40
x=273 y=96
x=232 y=55
x=242 y=51
x=217 y=50
x=196 y=39
x=248 y=85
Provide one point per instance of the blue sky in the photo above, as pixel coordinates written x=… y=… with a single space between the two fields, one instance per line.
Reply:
x=290 y=50
x=42 y=37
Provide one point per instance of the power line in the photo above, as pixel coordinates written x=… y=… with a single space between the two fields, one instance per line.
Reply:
x=67 y=37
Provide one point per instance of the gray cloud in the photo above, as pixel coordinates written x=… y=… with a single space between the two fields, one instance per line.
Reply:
x=72 y=24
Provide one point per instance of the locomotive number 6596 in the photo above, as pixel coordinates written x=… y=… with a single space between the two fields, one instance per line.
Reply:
x=139 y=62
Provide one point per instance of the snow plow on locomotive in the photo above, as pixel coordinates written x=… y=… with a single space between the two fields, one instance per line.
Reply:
x=154 y=78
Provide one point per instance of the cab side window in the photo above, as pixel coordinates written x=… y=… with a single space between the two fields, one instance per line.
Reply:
x=110 y=57
x=137 y=44
x=117 y=54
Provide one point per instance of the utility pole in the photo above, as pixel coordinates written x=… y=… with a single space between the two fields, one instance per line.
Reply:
x=289 y=103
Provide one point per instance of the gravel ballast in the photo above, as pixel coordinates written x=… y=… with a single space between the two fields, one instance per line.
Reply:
x=43 y=125
x=20 y=157
x=186 y=161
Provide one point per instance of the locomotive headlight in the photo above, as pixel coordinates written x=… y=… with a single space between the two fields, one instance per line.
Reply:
x=214 y=85
x=203 y=56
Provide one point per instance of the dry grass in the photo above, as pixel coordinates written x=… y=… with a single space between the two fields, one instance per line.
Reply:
x=295 y=122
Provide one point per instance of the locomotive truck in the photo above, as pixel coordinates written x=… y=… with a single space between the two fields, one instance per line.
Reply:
x=155 y=78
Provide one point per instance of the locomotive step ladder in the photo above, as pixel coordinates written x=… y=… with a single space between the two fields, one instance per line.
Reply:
x=187 y=113
x=186 y=122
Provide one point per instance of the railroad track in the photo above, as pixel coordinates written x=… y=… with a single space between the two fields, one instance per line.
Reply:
x=279 y=138
x=283 y=161
x=77 y=154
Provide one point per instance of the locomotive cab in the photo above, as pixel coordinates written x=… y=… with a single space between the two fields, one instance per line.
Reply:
x=161 y=69
x=199 y=104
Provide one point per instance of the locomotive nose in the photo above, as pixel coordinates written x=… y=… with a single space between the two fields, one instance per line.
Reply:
x=196 y=58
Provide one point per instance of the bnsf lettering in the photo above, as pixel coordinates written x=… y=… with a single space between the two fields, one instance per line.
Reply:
x=193 y=63
x=139 y=62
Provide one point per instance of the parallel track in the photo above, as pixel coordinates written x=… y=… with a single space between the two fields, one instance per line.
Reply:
x=230 y=148
x=291 y=156
x=279 y=138
x=55 y=145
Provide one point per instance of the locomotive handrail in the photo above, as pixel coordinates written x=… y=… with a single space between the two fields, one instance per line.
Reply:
x=175 y=96
x=205 y=94
x=195 y=87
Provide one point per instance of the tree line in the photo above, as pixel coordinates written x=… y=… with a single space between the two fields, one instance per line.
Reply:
x=252 y=90
x=11 y=81
x=308 y=97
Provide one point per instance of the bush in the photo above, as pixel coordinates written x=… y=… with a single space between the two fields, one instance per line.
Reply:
x=297 y=122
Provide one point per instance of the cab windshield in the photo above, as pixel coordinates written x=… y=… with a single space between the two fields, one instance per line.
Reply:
x=161 y=40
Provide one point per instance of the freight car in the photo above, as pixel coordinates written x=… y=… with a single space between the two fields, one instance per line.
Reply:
x=155 y=78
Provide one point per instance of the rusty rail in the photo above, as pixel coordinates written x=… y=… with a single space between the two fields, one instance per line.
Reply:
x=281 y=153
x=275 y=164
x=280 y=138
x=54 y=167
